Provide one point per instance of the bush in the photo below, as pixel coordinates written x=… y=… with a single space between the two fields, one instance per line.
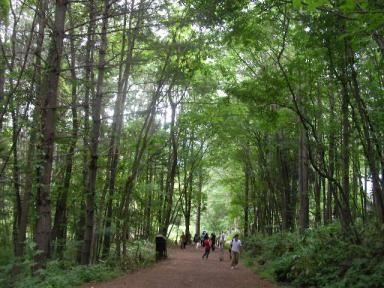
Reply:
x=321 y=257
x=66 y=273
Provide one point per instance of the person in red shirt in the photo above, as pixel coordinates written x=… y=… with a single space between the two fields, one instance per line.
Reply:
x=207 y=247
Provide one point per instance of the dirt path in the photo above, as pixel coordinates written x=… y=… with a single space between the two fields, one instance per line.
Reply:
x=185 y=268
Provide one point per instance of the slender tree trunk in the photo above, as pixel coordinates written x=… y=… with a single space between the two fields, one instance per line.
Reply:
x=247 y=188
x=2 y=84
x=303 y=182
x=94 y=141
x=30 y=167
x=331 y=159
x=369 y=137
x=49 y=95
x=199 y=200
x=172 y=165
x=28 y=186
x=189 y=207
x=317 y=192
x=344 y=150
x=59 y=231
x=148 y=199
x=130 y=183
x=286 y=187
x=118 y=120
x=89 y=91
x=16 y=182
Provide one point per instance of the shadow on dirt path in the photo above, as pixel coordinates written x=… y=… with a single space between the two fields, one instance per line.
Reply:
x=185 y=268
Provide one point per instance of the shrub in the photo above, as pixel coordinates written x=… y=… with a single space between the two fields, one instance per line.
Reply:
x=321 y=257
x=66 y=273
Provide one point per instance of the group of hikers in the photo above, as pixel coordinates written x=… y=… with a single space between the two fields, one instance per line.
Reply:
x=209 y=243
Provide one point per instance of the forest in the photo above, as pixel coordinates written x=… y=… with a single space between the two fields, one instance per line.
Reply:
x=122 y=119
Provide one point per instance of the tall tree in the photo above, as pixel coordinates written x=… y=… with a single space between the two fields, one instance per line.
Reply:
x=94 y=139
x=48 y=96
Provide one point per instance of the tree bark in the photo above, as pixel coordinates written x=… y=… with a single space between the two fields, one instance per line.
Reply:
x=303 y=182
x=172 y=165
x=94 y=140
x=247 y=188
x=30 y=167
x=49 y=95
x=344 y=150
x=317 y=192
x=16 y=182
x=89 y=91
x=288 y=198
x=148 y=198
x=331 y=160
x=199 y=203
x=59 y=230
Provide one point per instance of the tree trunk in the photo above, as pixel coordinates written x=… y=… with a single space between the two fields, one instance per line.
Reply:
x=49 y=95
x=345 y=161
x=94 y=141
x=30 y=167
x=148 y=199
x=287 y=197
x=247 y=188
x=59 y=231
x=303 y=182
x=89 y=91
x=16 y=183
x=2 y=84
x=331 y=160
x=189 y=207
x=172 y=165
x=130 y=183
x=317 y=192
x=118 y=121
x=371 y=153
x=199 y=200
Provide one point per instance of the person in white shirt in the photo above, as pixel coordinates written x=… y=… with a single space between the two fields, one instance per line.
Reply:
x=236 y=247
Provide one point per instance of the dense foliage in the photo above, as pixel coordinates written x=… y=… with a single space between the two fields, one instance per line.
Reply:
x=319 y=258
x=66 y=273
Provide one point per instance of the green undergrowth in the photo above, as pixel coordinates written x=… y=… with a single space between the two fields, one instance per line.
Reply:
x=321 y=257
x=65 y=273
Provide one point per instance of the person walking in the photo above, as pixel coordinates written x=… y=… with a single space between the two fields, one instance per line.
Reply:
x=207 y=247
x=213 y=240
x=230 y=249
x=183 y=240
x=196 y=240
x=221 y=245
x=205 y=233
x=236 y=247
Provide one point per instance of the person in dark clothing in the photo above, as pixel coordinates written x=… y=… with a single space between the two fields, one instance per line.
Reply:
x=183 y=241
x=203 y=238
x=230 y=249
x=213 y=240
x=161 y=247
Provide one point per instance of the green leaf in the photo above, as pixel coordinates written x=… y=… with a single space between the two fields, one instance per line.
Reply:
x=4 y=10
x=297 y=3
